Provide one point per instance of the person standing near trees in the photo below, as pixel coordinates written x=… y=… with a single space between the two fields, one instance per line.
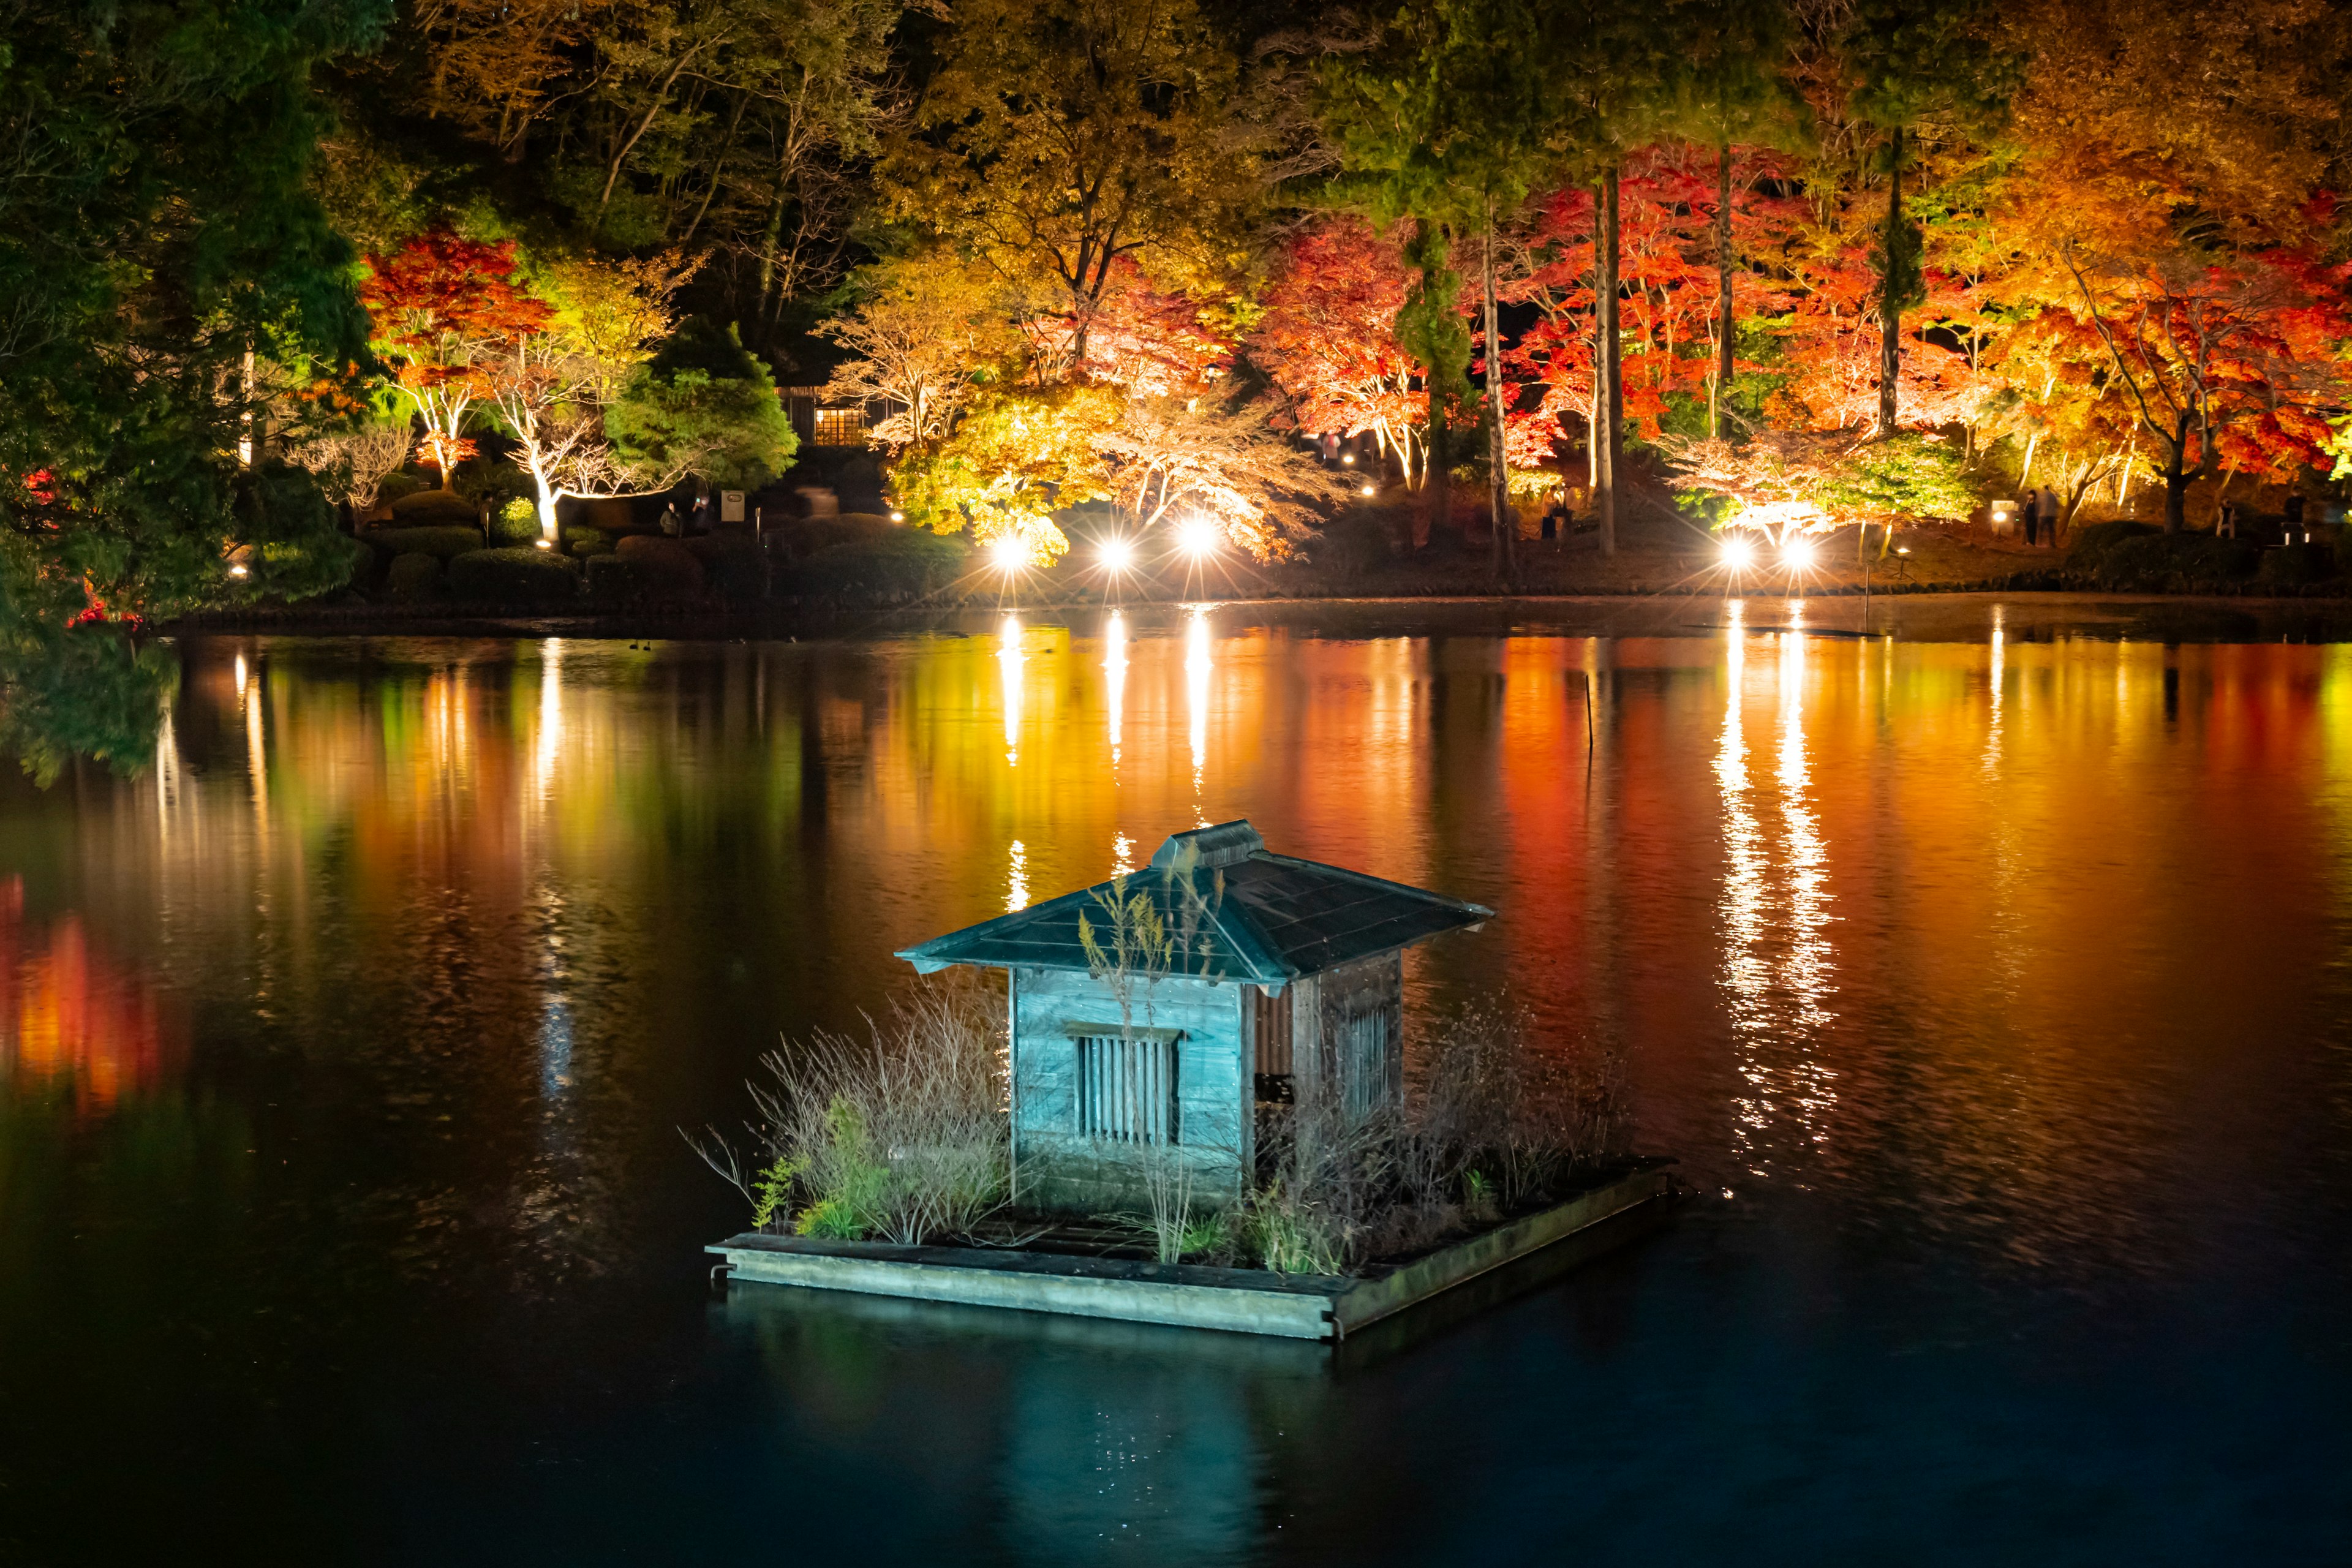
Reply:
x=2048 y=508
x=2032 y=510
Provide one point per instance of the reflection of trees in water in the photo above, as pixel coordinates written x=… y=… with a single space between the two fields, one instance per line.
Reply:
x=74 y=1022
x=87 y=691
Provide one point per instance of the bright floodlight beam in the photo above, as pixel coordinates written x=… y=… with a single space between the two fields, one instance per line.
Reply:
x=1008 y=555
x=1739 y=552
x=1197 y=537
x=1797 y=554
x=1117 y=554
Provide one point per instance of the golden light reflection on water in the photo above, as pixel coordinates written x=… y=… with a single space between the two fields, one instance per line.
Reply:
x=1008 y=661
x=1791 y=879
x=1199 y=666
x=1115 y=678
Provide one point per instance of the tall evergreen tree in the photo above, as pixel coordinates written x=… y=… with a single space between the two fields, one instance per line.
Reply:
x=1914 y=66
x=1730 y=92
x=160 y=254
x=1446 y=121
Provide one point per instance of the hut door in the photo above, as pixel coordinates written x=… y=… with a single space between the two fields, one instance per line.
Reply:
x=1272 y=1033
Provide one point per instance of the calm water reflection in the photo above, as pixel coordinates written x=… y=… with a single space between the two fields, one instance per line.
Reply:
x=1993 y=992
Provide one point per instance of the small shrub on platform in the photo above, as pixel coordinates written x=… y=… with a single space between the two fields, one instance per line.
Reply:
x=902 y=1135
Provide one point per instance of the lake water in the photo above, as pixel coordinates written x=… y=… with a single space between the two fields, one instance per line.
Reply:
x=1991 y=983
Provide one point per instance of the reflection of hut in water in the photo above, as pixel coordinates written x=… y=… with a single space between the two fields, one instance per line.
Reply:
x=1249 y=977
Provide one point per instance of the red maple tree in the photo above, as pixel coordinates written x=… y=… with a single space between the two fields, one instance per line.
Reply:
x=1669 y=310
x=2236 y=360
x=1327 y=338
x=444 y=310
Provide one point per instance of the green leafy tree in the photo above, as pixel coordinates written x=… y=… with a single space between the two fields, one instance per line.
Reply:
x=1063 y=141
x=703 y=405
x=164 y=270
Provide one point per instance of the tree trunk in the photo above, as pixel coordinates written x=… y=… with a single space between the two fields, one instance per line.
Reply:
x=1890 y=301
x=1723 y=355
x=1608 y=367
x=1506 y=527
x=1437 y=449
x=1436 y=462
x=2176 y=481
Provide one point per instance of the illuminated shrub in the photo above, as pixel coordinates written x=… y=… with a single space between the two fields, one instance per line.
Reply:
x=445 y=542
x=901 y=562
x=413 y=576
x=516 y=522
x=513 y=576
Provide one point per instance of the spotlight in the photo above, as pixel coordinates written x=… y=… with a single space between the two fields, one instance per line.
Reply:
x=1797 y=554
x=1346 y=459
x=1009 y=554
x=1197 y=537
x=542 y=544
x=1739 y=552
x=239 y=571
x=897 y=517
x=1368 y=490
x=1117 y=554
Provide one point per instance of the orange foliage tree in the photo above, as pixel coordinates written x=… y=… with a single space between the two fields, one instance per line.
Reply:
x=1326 y=337
x=444 y=312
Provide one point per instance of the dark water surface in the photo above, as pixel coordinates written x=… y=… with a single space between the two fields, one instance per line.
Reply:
x=1993 y=992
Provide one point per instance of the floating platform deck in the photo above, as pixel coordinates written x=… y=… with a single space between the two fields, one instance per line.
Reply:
x=1189 y=1295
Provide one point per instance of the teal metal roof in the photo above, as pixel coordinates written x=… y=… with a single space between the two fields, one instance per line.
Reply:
x=1238 y=912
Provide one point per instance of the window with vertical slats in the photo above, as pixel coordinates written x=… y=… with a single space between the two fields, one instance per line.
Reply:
x=1127 y=1089
x=1364 y=1046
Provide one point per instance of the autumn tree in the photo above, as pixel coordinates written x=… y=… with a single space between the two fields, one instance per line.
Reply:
x=1442 y=120
x=1669 y=275
x=447 y=311
x=2206 y=349
x=1327 y=335
x=1614 y=71
x=1727 y=92
x=1061 y=140
x=733 y=129
x=926 y=332
x=1171 y=457
x=1016 y=456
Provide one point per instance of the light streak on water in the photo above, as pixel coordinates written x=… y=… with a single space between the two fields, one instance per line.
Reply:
x=1008 y=664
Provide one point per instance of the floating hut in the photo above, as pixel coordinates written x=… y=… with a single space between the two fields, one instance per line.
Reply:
x=1152 y=1013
